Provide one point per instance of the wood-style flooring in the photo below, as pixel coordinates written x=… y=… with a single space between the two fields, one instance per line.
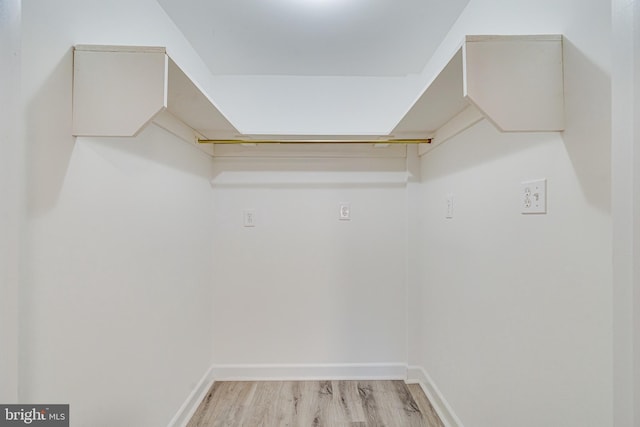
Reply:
x=315 y=403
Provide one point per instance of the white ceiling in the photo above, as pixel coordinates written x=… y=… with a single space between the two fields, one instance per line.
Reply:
x=341 y=67
x=314 y=37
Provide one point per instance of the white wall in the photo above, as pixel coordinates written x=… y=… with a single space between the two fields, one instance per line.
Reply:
x=307 y=105
x=512 y=314
x=116 y=304
x=625 y=208
x=11 y=207
x=303 y=287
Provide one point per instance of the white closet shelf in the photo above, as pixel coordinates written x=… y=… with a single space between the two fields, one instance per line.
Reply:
x=516 y=82
x=118 y=90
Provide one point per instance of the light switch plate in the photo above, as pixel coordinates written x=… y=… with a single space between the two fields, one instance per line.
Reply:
x=249 y=217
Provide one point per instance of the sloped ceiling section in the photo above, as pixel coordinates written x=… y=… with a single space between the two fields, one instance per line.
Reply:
x=331 y=43
x=314 y=37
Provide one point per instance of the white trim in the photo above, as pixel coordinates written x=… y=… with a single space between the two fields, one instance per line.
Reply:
x=188 y=408
x=290 y=372
x=112 y=48
x=172 y=124
x=167 y=121
x=458 y=124
x=417 y=374
x=510 y=38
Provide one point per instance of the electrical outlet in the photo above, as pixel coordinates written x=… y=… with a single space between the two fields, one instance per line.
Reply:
x=534 y=197
x=249 y=217
x=345 y=212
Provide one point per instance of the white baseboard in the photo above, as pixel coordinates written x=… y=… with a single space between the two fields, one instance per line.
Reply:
x=417 y=374
x=280 y=372
x=189 y=407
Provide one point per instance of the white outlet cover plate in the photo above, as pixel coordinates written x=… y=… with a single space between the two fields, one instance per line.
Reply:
x=533 y=197
x=449 y=212
x=345 y=212
x=249 y=217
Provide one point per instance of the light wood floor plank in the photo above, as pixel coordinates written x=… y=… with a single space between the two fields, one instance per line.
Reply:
x=426 y=408
x=350 y=401
x=264 y=409
x=315 y=403
x=370 y=404
x=223 y=402
x=305 y=402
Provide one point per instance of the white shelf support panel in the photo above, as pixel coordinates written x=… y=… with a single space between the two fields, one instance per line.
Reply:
x=515 y=82
x=118 y=90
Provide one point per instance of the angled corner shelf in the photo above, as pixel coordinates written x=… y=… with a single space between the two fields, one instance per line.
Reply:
x=515 y=82
x=118 y=90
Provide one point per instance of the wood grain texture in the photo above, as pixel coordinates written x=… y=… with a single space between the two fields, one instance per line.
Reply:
x=315 y=403
x=426 y=408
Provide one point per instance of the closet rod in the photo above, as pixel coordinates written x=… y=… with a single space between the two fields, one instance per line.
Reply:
x=314 y=141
